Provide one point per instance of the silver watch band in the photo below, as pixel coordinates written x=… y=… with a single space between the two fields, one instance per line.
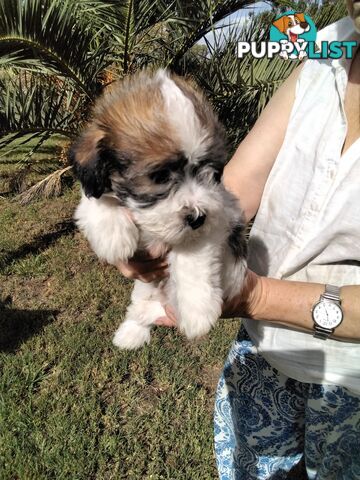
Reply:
x=323 y=333
x=332 y=292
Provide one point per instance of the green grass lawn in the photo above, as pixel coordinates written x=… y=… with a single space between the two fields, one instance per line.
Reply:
x=72 y=406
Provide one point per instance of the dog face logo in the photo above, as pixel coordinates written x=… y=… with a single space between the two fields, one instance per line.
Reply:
x=292 y=26
x=292 y=30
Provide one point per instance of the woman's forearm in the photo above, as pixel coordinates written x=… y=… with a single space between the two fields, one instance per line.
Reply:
x=246 y=173
x=290 y=303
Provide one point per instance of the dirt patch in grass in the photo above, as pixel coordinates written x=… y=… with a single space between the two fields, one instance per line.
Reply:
x=210 y=377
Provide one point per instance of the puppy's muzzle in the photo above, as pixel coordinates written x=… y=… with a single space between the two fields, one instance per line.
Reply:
x=195 y=221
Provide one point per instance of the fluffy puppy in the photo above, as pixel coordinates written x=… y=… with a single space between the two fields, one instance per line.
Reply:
x=150 y=163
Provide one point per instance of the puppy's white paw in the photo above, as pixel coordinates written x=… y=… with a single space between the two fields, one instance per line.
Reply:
x=197 y=329
x=110 y=231
x=196 y=324
x=131 y=335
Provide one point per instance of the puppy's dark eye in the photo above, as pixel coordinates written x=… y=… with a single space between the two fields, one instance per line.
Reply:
x=194 y=170
x=217 y=175
x=161 y=176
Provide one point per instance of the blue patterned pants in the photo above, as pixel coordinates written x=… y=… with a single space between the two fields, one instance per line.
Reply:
x=269 y=426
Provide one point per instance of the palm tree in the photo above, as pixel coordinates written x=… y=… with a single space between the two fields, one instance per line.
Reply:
x=56 y=56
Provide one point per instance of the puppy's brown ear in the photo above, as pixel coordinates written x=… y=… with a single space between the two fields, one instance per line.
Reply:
x=94 y=161
x=300 y=17
x=281 y=23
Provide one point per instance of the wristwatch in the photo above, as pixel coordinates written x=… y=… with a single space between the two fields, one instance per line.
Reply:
x=327 y=312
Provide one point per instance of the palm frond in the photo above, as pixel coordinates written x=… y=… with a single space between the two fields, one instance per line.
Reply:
x=41 y=105
x=49 y=186
x=198 y=18
x=328 y=13
x=51 y=34
x=127 y=25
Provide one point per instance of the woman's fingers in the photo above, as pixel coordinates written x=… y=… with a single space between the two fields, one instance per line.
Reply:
x=170 y=313
x=168 y=320
x=148 y=266
x=153 y=275
x=165 y=322
x=245 y=303
x=146 y=270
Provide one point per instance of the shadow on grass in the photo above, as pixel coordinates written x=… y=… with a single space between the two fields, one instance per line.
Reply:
x=39 y=243
x=16 y=326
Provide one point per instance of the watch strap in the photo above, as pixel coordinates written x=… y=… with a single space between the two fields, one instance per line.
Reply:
x=323 y=333
x=332 y=293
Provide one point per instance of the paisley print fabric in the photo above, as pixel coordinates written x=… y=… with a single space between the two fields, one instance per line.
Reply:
x=269 y=426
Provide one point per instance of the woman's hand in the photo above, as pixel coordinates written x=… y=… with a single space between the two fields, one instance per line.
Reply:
x=246 y=303
x=148 y=268
x=145 y=267
x=168 y=320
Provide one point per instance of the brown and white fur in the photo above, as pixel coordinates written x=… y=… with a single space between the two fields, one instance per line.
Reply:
x=150 y=164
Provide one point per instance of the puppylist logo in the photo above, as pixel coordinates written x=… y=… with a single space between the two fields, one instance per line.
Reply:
x=294 y=32
x=293 y=36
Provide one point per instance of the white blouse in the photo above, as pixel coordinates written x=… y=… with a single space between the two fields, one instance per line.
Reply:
x=308 y=224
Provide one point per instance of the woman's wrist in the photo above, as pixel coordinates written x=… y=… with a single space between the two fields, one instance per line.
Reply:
x=290 y=303
x=256 y=298
x=284 y=301
x=249 y=301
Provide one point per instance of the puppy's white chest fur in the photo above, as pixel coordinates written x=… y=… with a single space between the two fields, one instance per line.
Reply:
x=202 y=271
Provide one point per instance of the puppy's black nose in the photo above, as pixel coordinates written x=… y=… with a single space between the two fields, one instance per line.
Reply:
x=304 y=25
x=195 y=222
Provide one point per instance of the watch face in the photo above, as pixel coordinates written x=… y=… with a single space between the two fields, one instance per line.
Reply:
x=327 y=314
